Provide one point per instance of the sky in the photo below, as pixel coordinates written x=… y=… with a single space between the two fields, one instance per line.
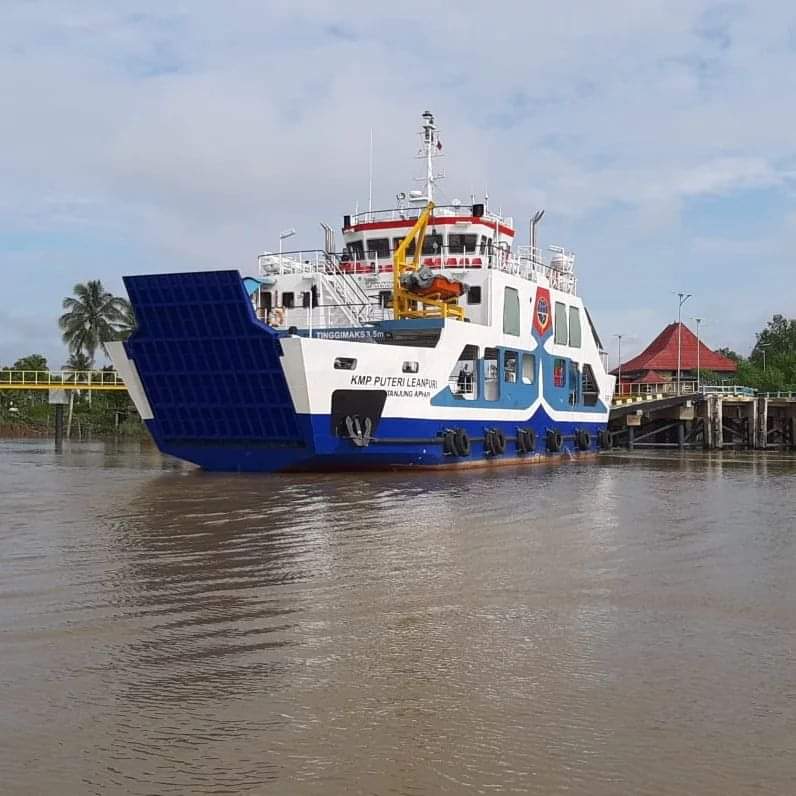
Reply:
x=659 y=137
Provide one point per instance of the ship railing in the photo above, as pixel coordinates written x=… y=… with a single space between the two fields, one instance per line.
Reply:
x=56 y=379
x=411 y=213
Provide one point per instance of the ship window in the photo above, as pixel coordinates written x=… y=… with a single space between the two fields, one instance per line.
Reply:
x=528 y=368
x=574 y=327
x=559 y=373
x=267 y=299
x=491 y=383
x=432 y=244
x=410 y=367
x=511 y=311
x=288 y=300
x=510 y=359
x=379 y=247
x=474 y=294
x=574 y=383
x=306 y=299
x=385 y=299
x=355 y=250
x=345 y=363
x=461 y=244
x=486 y=245
x=561 y=334
x=462 y=380
x=591 y=391
x=410 y=249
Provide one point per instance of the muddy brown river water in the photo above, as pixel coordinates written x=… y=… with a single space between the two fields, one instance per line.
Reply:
x=626 y=626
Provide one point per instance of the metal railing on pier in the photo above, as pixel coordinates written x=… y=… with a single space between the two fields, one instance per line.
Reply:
x=95 y=380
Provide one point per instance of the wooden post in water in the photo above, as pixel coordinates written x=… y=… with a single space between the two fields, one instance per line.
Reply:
x=58 y=399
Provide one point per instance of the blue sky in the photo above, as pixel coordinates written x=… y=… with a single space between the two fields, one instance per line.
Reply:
x=149 y=136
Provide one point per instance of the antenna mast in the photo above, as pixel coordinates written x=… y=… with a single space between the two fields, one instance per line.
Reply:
x=431 y=149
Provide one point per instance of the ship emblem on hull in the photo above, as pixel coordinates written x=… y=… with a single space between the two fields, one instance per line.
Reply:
x=541 y=318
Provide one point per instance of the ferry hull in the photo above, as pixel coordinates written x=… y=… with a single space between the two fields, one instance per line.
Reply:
x=209 y=379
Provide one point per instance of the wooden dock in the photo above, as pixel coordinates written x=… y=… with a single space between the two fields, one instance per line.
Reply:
x=711 y=419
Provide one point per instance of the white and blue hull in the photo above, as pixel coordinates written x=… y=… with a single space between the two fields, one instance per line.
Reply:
x=219 y=388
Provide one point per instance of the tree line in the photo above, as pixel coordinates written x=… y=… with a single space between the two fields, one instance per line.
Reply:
x=772 y=364
x=92 y=317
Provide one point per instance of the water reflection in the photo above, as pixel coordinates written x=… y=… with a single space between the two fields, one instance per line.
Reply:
x=624 y=626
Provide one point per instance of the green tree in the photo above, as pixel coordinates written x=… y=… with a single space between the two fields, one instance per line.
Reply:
x=31 y=362
x=93 y=317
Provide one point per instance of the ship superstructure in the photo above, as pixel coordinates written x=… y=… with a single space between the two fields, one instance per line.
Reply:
x=429 y=339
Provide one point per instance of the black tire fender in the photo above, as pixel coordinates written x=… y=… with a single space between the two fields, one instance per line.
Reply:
x=554 y=441
x=461 y=442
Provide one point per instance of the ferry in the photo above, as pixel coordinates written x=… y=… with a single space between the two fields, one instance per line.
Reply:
x=431 y=339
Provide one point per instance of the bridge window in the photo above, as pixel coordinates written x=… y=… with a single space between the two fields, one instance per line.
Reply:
x=559 y=372
x=354 y=250
x=510 y=361
x=461 y=244
x=410 y=367
x=267 y=299
x=345 y=363
x=511 y=311
x=474 y=294
x=410 y=249
x=486 y=245
x=385 y=299
x=432 y=244
x=561 y=332
x=491 y=375
x=574 y=327
x=379 y=247
x=528 y=368
x=463 y=381
x=289 y=300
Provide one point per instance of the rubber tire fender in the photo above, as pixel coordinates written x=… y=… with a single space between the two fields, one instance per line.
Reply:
x=522 y=440
x=554 y=441
x=449 y=443
x=604 y=438
x=530 y=440
x=583 y=440
x=461 y=442
x=498 y=440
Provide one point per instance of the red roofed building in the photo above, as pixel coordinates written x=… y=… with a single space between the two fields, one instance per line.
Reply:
x=656 y=365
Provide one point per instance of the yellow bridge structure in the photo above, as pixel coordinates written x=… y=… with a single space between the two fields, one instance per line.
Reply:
x=91 y=380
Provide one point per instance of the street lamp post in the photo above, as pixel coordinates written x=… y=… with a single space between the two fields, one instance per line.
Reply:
x=763 y=350
x=683 y=298
x=288 y=233
x=619 y=357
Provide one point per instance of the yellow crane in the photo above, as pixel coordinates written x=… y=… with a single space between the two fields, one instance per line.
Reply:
x=407 y=304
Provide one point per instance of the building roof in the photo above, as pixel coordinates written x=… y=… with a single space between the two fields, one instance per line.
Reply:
x=652 y=377
x=661 y=354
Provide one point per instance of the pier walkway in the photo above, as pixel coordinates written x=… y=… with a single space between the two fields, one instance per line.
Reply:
x=711 y=418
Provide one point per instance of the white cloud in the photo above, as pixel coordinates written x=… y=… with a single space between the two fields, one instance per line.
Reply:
x=192 y=132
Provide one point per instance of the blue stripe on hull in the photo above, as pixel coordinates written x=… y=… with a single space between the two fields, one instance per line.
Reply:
x=416 y=446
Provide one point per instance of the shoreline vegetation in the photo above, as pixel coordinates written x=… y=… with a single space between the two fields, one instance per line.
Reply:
x=93 y=317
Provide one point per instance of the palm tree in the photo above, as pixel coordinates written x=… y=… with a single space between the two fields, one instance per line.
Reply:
x=127 y=324
x=92 y=318
x=80 y=363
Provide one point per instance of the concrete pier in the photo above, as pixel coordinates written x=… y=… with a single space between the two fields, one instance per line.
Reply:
x=716 y=418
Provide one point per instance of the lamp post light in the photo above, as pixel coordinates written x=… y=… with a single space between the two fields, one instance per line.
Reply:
x=619 y=357
x=683 y=297
x=284 y=235
x=763 y=349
